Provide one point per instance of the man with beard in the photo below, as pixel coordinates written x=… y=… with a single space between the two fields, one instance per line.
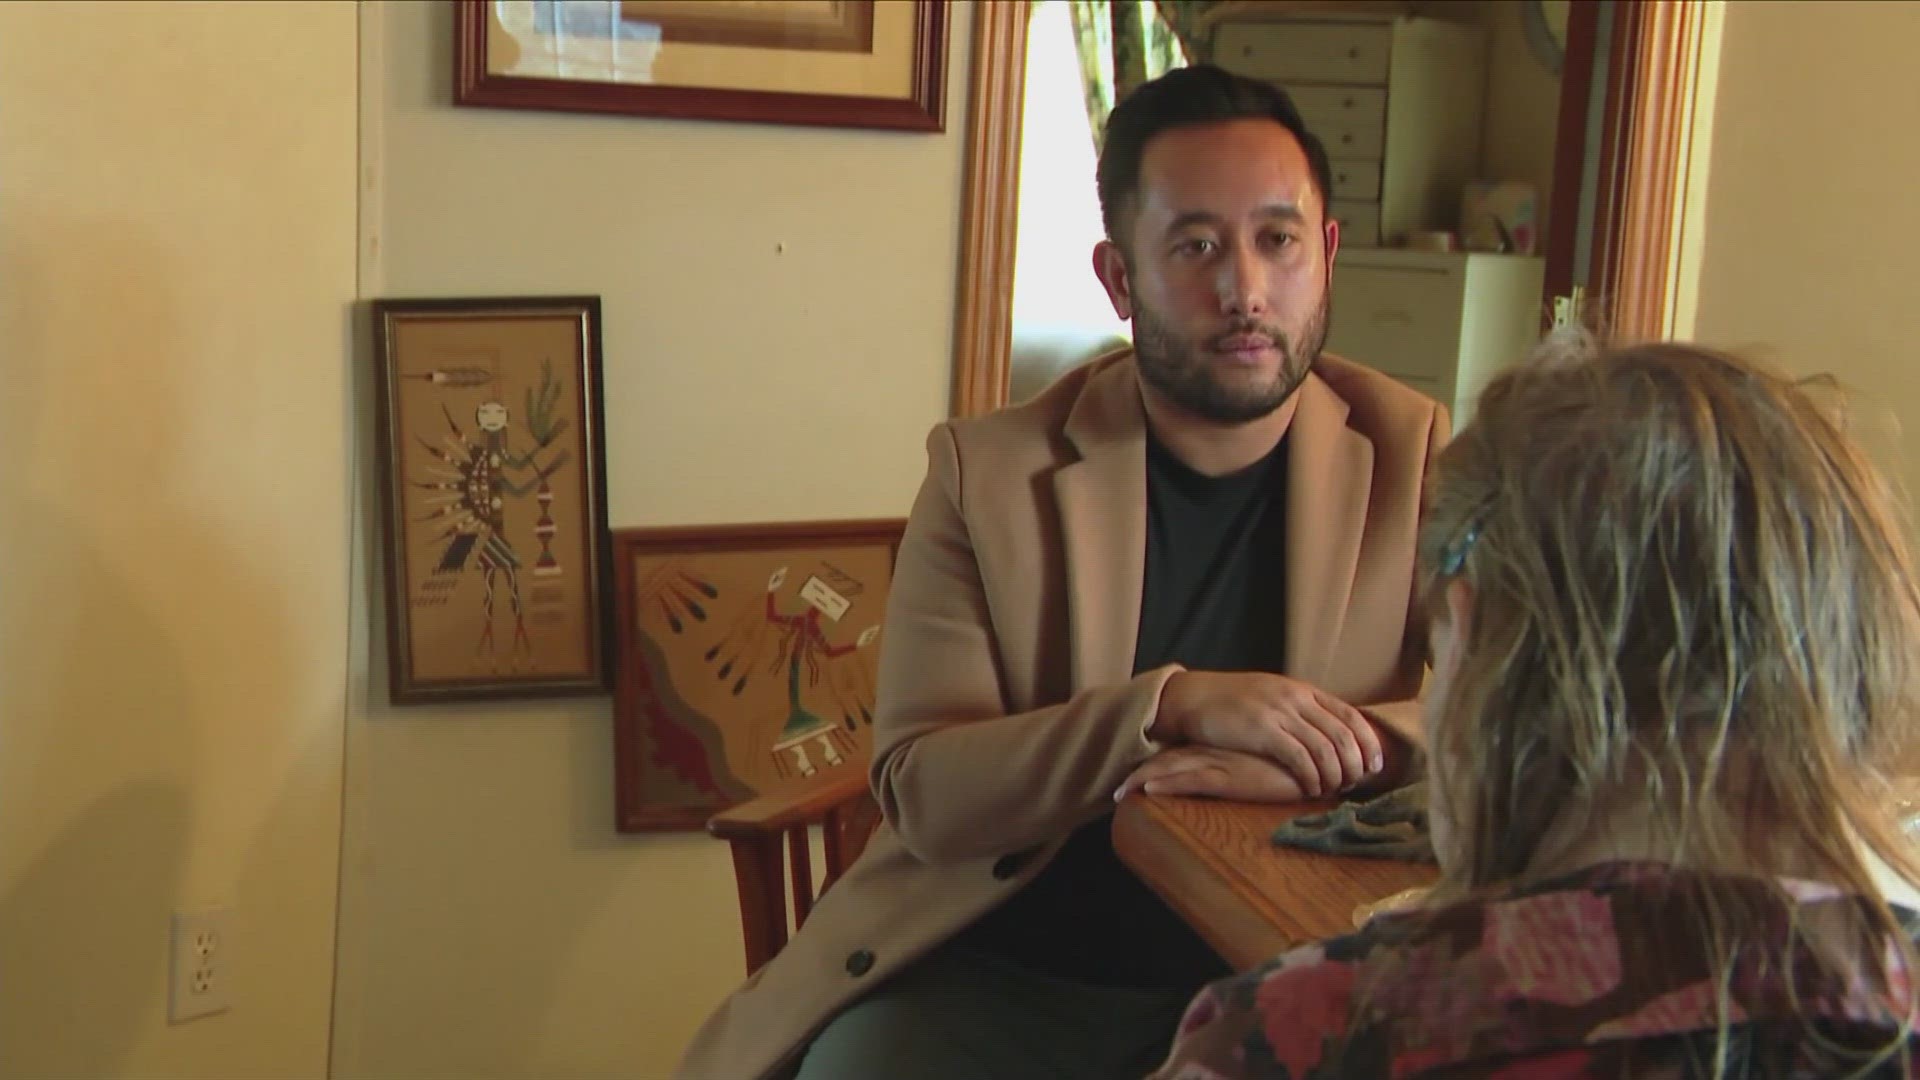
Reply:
x=1185 y=568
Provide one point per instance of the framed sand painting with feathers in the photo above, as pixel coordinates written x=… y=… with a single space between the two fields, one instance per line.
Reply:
x=746 y=662
x=493 y=485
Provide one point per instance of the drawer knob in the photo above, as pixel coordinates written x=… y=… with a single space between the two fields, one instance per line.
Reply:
x=1353 y=53
x=1347 y=104
x=1347 y=137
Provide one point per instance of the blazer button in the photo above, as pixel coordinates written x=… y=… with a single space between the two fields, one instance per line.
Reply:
x=859 y=962
x=1007 y=866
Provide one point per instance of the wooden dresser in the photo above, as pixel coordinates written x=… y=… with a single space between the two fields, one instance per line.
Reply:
x=1443 y=324
x=1398 y=103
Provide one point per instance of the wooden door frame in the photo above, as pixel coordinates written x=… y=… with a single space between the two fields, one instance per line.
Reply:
x=1578 y=112
x=1628 y=89
x=990 y=208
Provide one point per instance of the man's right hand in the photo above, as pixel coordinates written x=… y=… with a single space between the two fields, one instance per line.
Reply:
x=1324 y=742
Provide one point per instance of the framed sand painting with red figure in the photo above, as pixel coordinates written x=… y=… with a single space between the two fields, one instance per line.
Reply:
x=747 y=662
x=493 y=486
x=839 y=63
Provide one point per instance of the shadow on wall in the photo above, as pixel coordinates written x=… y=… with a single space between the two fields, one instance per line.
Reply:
x=84 y=938
x=135 y=632
x=95 y=824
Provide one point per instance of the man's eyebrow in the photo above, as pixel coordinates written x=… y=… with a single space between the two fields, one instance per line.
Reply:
x=1191 y=218
x=1285 y=210
x=1290 y=211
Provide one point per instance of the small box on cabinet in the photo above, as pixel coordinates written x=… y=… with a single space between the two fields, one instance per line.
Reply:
x=1500 y=216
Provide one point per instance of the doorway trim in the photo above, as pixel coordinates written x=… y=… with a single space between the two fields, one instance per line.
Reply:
x=990 y=207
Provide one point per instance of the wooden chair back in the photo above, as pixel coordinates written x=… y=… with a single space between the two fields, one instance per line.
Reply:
x=773 y=855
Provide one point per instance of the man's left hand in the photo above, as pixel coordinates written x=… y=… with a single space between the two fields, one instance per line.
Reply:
x=1211 y=772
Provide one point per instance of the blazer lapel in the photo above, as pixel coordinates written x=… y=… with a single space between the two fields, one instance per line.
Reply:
x=1329 y=475
x=1103 y=519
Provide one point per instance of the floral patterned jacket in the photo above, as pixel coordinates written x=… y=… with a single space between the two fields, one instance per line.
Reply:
x=1602 y=973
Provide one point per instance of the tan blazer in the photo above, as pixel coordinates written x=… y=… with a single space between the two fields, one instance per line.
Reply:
x=1008 y=710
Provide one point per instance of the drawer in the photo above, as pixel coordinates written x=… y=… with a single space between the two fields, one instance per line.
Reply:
x=1359 y=222
x=1356 y=179
x=1403 y=321
x=1323 y=52
x=1350 y=120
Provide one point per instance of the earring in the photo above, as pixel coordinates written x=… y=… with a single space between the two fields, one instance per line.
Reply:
x=1456 y=554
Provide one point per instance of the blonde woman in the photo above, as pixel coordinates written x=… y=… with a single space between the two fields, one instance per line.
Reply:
x=1673 y=628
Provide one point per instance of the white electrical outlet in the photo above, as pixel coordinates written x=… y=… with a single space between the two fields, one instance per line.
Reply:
x=202 y=954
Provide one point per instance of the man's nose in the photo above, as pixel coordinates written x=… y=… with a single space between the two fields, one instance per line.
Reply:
x=1242 y=285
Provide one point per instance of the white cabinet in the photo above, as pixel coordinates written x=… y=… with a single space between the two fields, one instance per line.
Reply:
x=1397 y=102
x=1441 y=323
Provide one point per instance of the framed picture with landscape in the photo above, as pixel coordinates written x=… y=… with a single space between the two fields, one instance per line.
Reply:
x=840 y=63
x=493 y=487
x=747 y=657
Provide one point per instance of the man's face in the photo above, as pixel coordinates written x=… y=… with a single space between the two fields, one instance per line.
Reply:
x=1225 y=270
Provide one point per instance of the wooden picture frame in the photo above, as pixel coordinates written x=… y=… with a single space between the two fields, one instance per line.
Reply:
x=492 y=470
x=747 y=661
x=834 y=63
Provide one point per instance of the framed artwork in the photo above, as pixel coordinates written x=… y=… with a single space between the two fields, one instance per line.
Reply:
x=747 y=661
x=837 y=63
x=493 y=486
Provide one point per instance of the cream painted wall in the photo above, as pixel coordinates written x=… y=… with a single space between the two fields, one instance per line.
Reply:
x=1812 y=237
x=1523 y=105
x=176 y=265
x=492 y=922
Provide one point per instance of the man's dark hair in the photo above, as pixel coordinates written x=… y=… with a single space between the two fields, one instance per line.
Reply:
x=1201 y=94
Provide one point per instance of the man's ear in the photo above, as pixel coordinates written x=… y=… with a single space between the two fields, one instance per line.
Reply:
x=1331 y=233
x=1110 y=266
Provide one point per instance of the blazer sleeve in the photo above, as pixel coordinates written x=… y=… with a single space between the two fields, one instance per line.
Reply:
x=956 y=776
x=1402 y=717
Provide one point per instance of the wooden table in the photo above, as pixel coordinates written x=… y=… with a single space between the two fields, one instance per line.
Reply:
x=1214 y=863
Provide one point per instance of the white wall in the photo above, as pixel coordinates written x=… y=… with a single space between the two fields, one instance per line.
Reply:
x=493 y=924
x=176 y=267
x=1812 y=236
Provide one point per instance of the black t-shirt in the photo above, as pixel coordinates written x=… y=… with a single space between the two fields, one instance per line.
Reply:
x=1212 y=600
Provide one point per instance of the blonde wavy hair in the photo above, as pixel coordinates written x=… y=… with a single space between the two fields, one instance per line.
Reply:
x=1692 y=600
